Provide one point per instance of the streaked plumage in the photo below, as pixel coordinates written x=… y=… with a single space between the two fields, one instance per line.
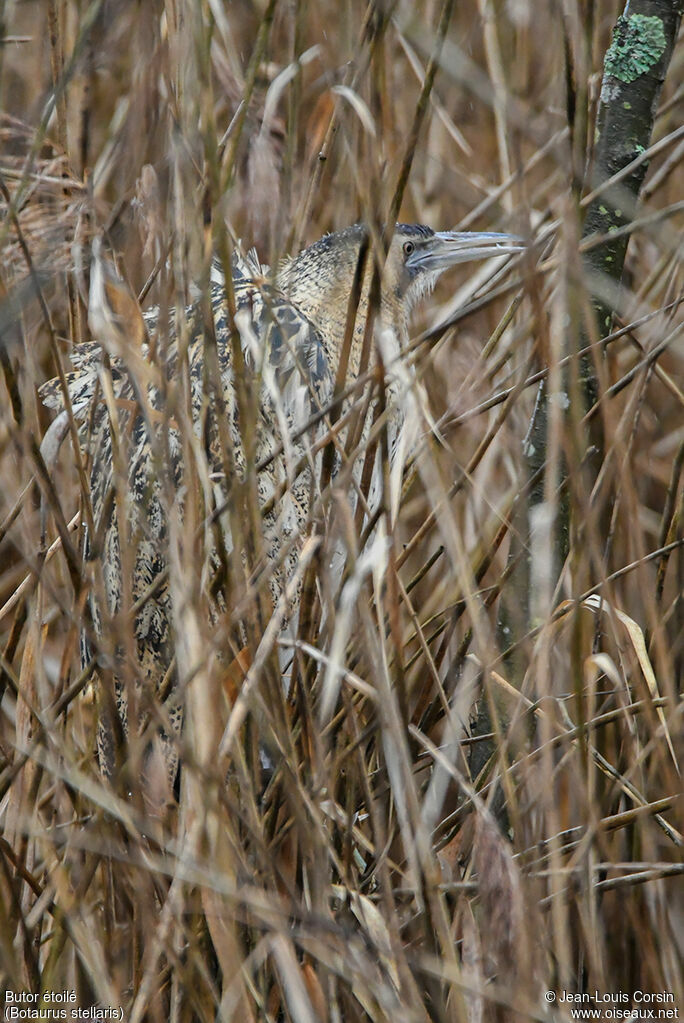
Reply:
x=291 y=331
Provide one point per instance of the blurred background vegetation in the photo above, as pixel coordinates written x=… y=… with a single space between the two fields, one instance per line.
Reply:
x=377 y=876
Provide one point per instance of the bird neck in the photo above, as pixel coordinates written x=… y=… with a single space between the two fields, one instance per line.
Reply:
x=319 y=281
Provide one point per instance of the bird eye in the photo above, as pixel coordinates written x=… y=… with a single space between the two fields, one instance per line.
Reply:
x=408 y=248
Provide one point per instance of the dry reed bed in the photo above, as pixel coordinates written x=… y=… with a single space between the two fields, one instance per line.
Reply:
x=365 y=877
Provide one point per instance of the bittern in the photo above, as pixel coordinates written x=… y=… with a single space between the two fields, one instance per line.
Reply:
x=292 y=327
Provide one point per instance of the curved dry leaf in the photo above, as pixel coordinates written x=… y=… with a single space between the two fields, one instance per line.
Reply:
x=596 y=603
x=358 y=105
x=370 y=918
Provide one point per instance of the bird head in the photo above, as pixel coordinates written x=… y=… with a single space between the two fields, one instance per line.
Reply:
x=320 y=279
x=418 y=256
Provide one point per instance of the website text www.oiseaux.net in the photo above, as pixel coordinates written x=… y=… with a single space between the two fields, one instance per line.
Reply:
x=615 y=1005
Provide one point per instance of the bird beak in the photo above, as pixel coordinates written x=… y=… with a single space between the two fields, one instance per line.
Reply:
x=446 y=248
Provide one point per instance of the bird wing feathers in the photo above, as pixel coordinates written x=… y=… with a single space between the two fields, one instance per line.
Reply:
x=285 y=352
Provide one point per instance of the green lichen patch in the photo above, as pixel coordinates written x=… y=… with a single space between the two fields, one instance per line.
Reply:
x=638 y=43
